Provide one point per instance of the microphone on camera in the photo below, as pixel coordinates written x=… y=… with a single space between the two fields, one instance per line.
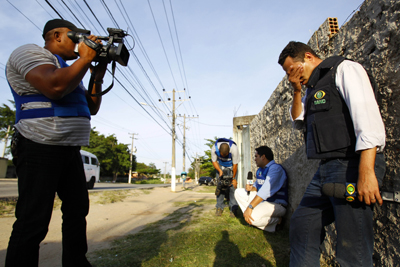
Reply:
x=249 y=180
x=343 y=191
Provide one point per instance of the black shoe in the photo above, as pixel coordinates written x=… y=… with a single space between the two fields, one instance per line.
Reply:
x=219 y=212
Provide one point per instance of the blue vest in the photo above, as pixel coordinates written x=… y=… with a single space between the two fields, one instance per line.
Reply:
x=282 y=193
x=228 y=160
x=71 y=105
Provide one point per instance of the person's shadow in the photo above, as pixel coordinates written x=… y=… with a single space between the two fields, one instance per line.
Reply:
x=227 y=249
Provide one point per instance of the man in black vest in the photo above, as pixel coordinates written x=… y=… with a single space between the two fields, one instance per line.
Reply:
x=344 y=129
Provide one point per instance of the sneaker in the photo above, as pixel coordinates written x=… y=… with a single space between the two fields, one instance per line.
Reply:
x=232 y=214
x=218 y=212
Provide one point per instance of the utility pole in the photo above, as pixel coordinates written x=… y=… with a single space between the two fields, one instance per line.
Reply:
x=130 y=165
x=165 y=171
x=184 y=137
x=173 y=165
x=197 y=169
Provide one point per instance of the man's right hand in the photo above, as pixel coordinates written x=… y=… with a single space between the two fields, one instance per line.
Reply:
x=294 y=76
x=87 y=53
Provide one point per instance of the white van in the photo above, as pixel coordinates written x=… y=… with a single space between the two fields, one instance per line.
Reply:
x=91 y=166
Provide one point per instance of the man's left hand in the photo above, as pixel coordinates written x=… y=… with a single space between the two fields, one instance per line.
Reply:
x=247 y=216
x=367 y=184
x=368 y=188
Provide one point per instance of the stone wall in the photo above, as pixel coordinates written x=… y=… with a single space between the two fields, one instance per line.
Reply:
x=371 y=37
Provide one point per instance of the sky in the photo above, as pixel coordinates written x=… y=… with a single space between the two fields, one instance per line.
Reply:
x=219 y=55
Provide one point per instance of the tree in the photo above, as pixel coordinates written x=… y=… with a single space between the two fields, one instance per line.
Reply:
x=150 y=169
x=114 y=157
x=7 y=119
x=206 y=166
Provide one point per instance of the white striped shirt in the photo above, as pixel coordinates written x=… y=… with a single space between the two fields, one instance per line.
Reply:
x=65 y=131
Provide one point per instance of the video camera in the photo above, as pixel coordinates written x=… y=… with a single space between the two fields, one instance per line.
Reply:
x=109 y=52
x=224 y=181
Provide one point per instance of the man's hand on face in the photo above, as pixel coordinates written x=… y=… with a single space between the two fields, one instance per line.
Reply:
x=294 y=75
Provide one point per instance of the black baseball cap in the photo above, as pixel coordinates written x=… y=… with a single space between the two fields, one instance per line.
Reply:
x=61 y=23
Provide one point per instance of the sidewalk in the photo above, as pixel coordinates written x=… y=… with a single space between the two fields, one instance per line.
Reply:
x=109 y=221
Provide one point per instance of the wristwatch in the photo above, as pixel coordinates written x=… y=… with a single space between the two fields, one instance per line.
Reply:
x=250 y=206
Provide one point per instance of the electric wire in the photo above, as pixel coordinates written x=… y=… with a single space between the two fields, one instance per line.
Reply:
x=24 y=15
x=84 y=15
x=64 y=10
x=110 y=14
x=354 y=11
x=173 y=43
x=91 y=11
x=73 y=14
x=162 y=44
x=53 y=9
x=141 y=45
x=44 y=8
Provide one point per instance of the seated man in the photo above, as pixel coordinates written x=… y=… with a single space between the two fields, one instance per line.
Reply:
x=264 y=203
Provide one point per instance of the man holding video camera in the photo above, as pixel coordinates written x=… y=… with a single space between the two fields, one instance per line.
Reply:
x=264 y=203
x=53 y=111
x=225 y=159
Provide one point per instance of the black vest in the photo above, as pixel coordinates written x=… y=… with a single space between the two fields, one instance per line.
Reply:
x=329 y=127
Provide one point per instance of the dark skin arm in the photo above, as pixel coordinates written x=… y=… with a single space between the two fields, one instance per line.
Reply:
x=55 y=83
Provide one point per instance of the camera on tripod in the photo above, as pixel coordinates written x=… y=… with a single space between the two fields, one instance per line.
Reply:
x=108 y=52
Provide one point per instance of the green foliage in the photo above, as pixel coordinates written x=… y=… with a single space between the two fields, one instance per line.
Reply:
x=150 y=169
x=206 y=166
x=7 y=118
x=188 y=237
x=114 y=157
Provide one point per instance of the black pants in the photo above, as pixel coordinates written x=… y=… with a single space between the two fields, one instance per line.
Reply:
x=43 y=171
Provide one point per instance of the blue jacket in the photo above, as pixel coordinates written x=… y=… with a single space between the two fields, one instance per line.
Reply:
x=281 y=195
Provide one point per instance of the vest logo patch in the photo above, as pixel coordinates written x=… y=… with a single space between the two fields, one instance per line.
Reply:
x=319 y=95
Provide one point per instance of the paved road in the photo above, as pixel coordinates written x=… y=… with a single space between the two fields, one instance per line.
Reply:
x=9 y=187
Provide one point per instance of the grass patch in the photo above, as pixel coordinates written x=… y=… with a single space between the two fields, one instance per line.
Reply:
x=7 y=206
x=207 y=189
x=188 y=237
x=148 y=181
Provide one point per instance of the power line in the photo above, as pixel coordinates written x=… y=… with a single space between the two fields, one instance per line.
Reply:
x=162 y=44
x=24 y=15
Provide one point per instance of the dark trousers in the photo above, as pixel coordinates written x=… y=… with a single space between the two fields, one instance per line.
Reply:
x=353 y=220
x=230 y=191
x=43 y=171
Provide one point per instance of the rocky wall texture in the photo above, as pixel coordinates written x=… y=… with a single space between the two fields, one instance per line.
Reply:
x=371 y=37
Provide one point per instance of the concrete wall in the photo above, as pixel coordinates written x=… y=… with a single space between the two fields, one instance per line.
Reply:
x=371 y=37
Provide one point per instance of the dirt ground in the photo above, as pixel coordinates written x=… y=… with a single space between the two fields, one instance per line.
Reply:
x=106 y=222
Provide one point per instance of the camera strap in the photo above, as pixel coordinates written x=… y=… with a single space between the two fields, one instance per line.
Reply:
x=91 y=82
